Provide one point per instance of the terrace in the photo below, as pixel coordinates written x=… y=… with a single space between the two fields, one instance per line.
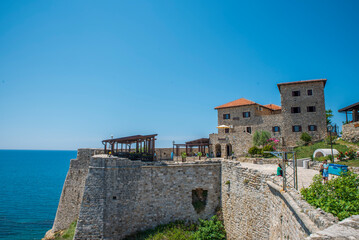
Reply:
x=138 y=147
x=353 y=111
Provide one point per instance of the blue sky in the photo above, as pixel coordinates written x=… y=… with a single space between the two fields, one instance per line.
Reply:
x=75 y=72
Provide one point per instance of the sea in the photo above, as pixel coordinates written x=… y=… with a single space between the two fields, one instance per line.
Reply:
x=30 y=187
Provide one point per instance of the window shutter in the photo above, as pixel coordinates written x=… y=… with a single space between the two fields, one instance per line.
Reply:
x=272 y=129
x=300 y=128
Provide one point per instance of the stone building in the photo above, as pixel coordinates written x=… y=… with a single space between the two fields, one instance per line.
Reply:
x=302 y=110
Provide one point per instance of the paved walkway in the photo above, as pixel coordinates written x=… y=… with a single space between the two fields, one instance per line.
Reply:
x=305 y=176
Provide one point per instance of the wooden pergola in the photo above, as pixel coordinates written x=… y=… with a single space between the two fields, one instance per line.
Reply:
x=354 y=109
x=143 y=149
x=201 y=144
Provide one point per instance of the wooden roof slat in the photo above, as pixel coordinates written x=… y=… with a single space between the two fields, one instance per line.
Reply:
x=352 y=107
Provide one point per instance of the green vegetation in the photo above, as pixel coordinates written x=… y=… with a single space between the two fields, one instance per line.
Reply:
x=339 y=196
x=67 y=234
x=307 y=151
x=267 y=148
x=329 y=115
x=305 y=137
x=255 y=150
x=212 y=229
x=260 y=138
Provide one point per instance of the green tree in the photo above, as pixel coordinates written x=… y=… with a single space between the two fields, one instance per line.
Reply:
x=329 y=115
x=260 y=138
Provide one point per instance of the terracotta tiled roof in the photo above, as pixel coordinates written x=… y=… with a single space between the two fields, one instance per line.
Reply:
x=303 y=81
x=273 y=106
x=236 y=103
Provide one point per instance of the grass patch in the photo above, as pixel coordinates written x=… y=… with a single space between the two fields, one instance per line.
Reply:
x=206 y=229
x=67 y=234
x=307 y=151
x=351 y=163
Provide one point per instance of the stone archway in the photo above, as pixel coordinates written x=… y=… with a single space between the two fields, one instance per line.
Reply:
x=229 y=150
x=217 y=150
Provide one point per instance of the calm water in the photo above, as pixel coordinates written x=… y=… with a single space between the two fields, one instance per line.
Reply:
x=30 y=188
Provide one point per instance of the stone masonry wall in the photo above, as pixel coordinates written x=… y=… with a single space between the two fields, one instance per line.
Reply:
x=72 y=191
x=351 y=132
x=303 y=118
x=122 y=197
x=255 y=208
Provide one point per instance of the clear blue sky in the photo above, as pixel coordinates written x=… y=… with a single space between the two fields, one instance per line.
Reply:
x=75 y=72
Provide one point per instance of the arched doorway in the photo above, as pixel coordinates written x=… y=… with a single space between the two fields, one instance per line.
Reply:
x=229 y=149
x=218 y=150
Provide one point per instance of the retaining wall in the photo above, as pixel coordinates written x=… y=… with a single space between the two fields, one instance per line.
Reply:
x=255 y=208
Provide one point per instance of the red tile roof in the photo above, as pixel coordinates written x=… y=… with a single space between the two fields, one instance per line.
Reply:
x=303 y=81
x=236 y=103
x=272 y=106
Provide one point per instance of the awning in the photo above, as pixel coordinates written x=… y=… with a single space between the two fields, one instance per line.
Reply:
x=223 y=126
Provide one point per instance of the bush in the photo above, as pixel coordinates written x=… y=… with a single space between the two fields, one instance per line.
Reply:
x=341 y=156
x=327 y=139
x=254 y=150
x=211 y=229
x=267 y=148
x=351 y=154
x=339 y=196
x=305 y=137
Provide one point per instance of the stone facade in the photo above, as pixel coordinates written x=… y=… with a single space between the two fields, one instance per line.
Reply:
x=122 y=197
x=351 y=132
x=239 y=137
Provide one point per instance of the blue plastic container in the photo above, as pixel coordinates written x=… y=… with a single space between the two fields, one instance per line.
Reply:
x=337 y=169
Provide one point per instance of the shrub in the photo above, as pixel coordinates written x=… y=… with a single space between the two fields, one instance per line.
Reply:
x=338 y=196
x=254 y=150
x=267 y=148
x=184 y=155
x=212 y=229
x=327 y=139
x=351 y=154
x=273 y=142
x=305 y=137
x=341 y=156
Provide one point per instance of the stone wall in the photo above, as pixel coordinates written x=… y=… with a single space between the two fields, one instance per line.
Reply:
x=72 y=191
x=351 y=132
x=256 y=208
x=122 y=197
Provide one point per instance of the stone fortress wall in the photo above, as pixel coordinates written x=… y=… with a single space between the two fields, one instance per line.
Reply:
x=73 y=189
x=351 y=132
x=121 y=197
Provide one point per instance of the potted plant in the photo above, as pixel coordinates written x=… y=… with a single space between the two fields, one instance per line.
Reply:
x=199 y=154
x=184 y=155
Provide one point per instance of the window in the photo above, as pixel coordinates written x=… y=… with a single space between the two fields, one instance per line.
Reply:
x=246 y=114
x=295 y=110
x=297 y=128
x=295 y=93
x=226 y=130
x=226 y=116
x=312 y=128
x=276 y=129
x=310 y=92
x=311 y=109
x=249 y=130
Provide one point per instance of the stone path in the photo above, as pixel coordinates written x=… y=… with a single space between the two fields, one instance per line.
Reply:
x=305 y=176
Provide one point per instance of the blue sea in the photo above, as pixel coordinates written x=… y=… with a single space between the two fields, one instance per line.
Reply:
x=30 y=187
